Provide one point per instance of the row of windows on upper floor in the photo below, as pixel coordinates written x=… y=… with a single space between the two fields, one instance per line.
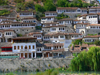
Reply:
x=7 y=33
x=47 y=37
x=92 y=16
x=95 y=26
x=21 y=47
x=46 y=19
x=51 y=14
x=26 y=13
x=72 y=10
x=29 y=21
x=55 y=47
x=59 y=29
x=14 y=25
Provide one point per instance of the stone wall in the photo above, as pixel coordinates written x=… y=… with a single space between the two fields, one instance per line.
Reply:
x=30 y=65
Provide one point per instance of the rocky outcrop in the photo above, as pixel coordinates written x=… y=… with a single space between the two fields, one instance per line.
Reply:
x=32 y=65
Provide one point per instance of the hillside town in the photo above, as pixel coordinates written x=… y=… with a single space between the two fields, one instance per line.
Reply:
x=23 y=36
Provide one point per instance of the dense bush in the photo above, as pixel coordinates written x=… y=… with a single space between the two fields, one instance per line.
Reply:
x=3 y=2
x=74 y=3
x=61 y=16
x=19 y=1
x=77 y=42
x=97 y=42
x=4 y=12
x=87 y=61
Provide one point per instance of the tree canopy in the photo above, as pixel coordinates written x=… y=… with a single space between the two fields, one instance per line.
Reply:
x=61 y=16
x=86 y=61
x=3 y=2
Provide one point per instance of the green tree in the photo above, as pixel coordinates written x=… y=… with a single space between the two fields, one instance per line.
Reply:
x=39 y=15
x=39 y=8
x=61 y=3
x=20 y=6
x=19 y=1
x=61 y=16
x=49 y=6
x=87 y=61
x=77 y=42
x=97 y=42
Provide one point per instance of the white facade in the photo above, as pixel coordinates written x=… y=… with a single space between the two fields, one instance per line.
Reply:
x=70 y=10
x=47 y=19
x=91 y=18
x=24 y=48
x=50 y=13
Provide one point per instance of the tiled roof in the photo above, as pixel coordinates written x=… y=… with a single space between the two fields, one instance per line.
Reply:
x=6 y=30
x=53 y=44
x=94 y=25
x=60 y=33
x=94 y=36
x=55 y=26
x=5 y=44
x=51 y=23
x=71 y=8
x=28 y=18
x=24 y=38
x=48 y=17
x=34 y=33
x=50 y=12
x=65 y=19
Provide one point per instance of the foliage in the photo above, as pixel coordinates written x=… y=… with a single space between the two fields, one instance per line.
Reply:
x=97 y=42
x=61 y=16
x=77 y=42
x=39 y=15
x=87 y=61
x=49 y=72
x=74 y=3
x=4 y=12
x=19 y=35
x=91 y=34
x=39 y=8
x=49 y=5
x=25 y=5
x=19 y=1
x=38 y=27
x=10 y=74
x=3 y=2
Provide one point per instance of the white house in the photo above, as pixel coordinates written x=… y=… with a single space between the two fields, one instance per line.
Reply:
x=48 y=19
x=24 y=46
x=26 y=14
x=91 y=18
x=94 y=10
x=53 y=49
x=90 y=39
x=50 y=13
x=7 y=35
x=38 y=35
x=66 y=21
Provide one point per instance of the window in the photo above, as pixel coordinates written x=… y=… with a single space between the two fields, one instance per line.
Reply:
x=53 y=28
x=18 y=47
x=33 y=47
x=21 y=47
x=61 y=36
x=29 y=47
x=55 y=36
x=15 y=47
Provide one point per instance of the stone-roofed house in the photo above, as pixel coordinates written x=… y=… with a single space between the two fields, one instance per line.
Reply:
x=89 y=39
x=53 y=49
x=24 y=46
x=7 y=35
x=50 y=13
x=71 y=11
x=26 y=14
